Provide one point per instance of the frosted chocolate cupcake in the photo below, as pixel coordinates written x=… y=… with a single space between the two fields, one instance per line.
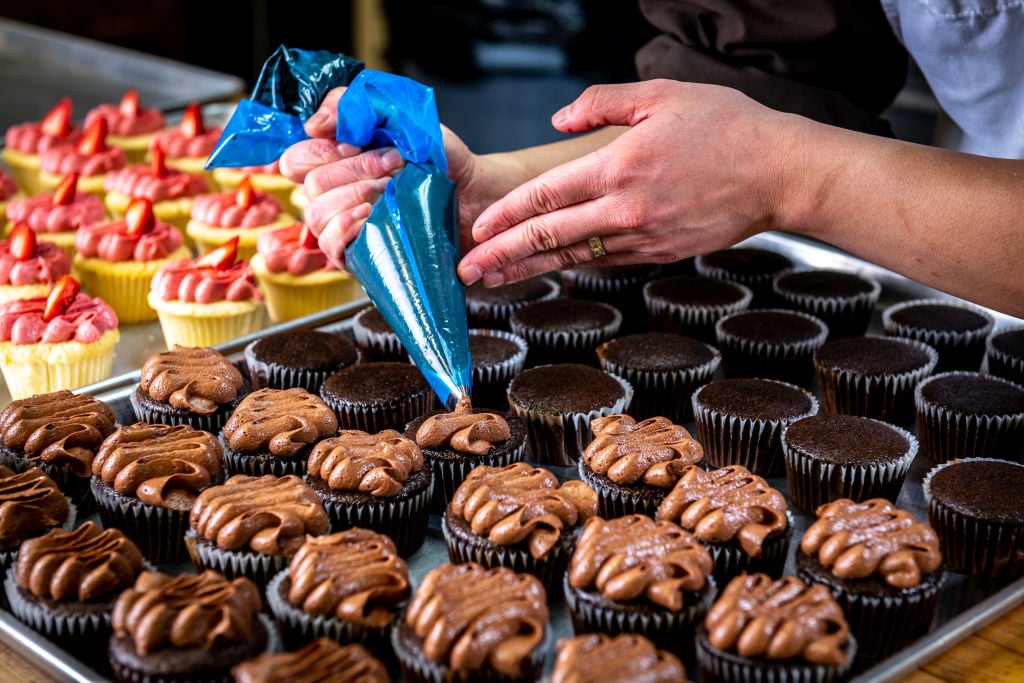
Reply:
x=298 y=358
x=146 y=478
x=272 y=431
x=497 y=356
x=881 y=565
x=664 y=369
x=320 y=660
x=634 y=575
x=620 y=286
x=517 y=517
x=632 y=465
x=376 y=340
x=843 y=301
x=845 y=456
x=974 y=506
x=969 y=415
x=252 y=526
x=558 y=403
x=775 y=631
x=374 y=481
x=564 y=330
x=956 y=330
x=1004 y=354
x=750 y=266
x=742 y=520
x=872 y=376
x=770 y=343
x=376 y=396
x=59 y=433
x=446 y=633
x=491 y=307
x=625 y=657
x=197 y=386
x=348 y=586
x=739 y=421
x=691 y=304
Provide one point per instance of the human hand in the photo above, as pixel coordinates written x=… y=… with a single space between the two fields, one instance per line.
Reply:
x=696 y=171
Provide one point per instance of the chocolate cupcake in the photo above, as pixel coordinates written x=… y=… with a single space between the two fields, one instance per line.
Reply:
x=620 y=286
x=298 y=358
x=632 y=465
x=378 y=396
x=446 y=634
x=750 y=266
x=740 y=421
x=197 y=386
x=564 y=330
x=347 y=586
x=59 y=433
x=969 y=415
x=375 y=481
x=956 y=330
x=320 y=660
x=252 y=526
x=376 y=341
x=692 y=304
x=186 y=628
x=625 y=657
x=1004 y=354
x=843 y=301
x=774 y=631
x=872 y=376
x=558 y=403
x=454 y=443
x=491 y=307
x=664 y=369
x=974 y=506
x=272 y=431
x=771 y=343
x=146 y=478
x=517 y=517
x=845 y=456
x=634 y=575
x=497 y=356
x=742 y=520
x=881 y=565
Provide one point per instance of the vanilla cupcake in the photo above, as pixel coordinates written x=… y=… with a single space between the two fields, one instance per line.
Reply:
x=130 y=125
x=188 y=144
x=57 y=217
x=266 y=178
x=29 y=268
x=91 y=158
x=243 y=212
x=25 y=142
x=8 y=191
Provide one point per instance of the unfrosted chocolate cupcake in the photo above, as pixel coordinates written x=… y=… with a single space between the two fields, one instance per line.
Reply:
x=378 y=396
x=620 y=286
x=843 y=301
x=753 y=267
x=564 y=330
x=625 y=657
x=298 y=358
x=376 y=340
x=956 y=330
x=30 y=506
x=319 y=660
x=664 y=369
x=1004 y=353
x=770 y=343
x=497 y=356
x=692 y=304
x=491 y=307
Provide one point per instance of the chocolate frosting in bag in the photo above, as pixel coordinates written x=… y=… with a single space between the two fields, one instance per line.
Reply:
x=320 y=660
x=463 y=430
x=197 y=379
x=378 y=464
x=281 y=421
x=598 y=657
x=653 y=451
x=29 y=502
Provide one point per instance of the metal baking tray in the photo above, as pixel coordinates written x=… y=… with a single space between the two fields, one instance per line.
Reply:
x=965 y=604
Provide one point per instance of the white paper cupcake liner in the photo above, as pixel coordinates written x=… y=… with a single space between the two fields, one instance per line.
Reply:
x=957 y=350
x=695 y=321
x=787 y=361
x=567 y=346
x=716 y=665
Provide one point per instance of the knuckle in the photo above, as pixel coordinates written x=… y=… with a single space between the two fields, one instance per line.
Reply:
x=540 y=235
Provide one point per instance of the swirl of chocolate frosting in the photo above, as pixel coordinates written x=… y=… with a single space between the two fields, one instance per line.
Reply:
x=725 y=504
x=59 y=428
x=267 y=514
x=355 y=575
x=282 y=421
x=470 y=617
x=598 y=657
x=758 y=617
x=320 y=660
x=463 y=430
x=635 y=557
x=84 y=564
x=186 y=610
x=858 y=540
x=653 y=451
x=519 y=502
x=29 y=503
x=197 y=379
x=353 y=460
x=160 y=464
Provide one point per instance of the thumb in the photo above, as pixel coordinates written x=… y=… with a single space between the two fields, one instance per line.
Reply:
x=460 y=158
x=606 y=105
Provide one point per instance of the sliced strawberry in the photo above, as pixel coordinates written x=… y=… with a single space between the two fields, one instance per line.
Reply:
x=244 y=193
x=57 y=122
x=192 y=121
x=130 y=103
x=307 y=239
x=139 y=216
x=63 y=293
x=95 y=138
x=156 y=161
x=220 y=258
x=65 y=192
x=22 y=242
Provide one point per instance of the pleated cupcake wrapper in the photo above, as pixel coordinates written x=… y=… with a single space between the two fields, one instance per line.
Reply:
x=405 y=520
x=957 y=350
x=665 y=393
x=259 y=464
x=789 y=361
x=813 y=482
x=490 y=384
x=379 y=346
x=210 y=423
x=376 y=418
x=209 y=330
x=695 y=321
x=26 y=377
x=716 y=665
x=846 y=316
x=159 y=532
x=564 y=346
x=1002 y=364
x=260 y=567
x=496 y=314
x=618 y=500
x=560 y=439
x=625 y=292
x=730 y=560
x=448 y=474
x=75 y=489
x=759 y=283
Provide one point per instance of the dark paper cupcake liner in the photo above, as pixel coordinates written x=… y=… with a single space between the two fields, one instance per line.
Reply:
x=159 y=532
x=958 y=350
x=376 y=346
x=490 y=384
x=730 y=560
x=717 y=666
x=692 y=320
x=667 y=393
x=846 y=316
x=260 y=464
x=1003 y=364
x=377 y=418
x=153 y=412
x=786 y=361
x=449 y=473
x=567 y=345
x=260 y=567
x=620 y=286
x=618 y=500
x=493 y=314
x=75 y=488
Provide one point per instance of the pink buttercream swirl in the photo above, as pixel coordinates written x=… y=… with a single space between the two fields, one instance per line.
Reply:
x=284 y=252
x=29 y=138
x=183 y=280
x=85 y=320
x=111 y=241
x=65 y=159
x=47 y=265
x=8 y=188
x=221 y=210
x=146 y=120
x=177 y=145
x=43 y=216
x=138 y=180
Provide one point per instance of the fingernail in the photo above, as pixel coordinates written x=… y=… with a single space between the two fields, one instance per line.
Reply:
x=482 y=232
x=494 y=279
x=391 y=160
x=470 y=274
x=560 y=116
x=317 y=119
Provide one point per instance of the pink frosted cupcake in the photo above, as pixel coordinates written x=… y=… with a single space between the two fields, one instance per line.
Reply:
x=117 y=259
x=244 y=212
x=57 y=217
x=8 y=191
x=129 y=124
x=266 y=178
x=28 y=267
x=188 y=144
x=92 y=157
x=25 y=142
